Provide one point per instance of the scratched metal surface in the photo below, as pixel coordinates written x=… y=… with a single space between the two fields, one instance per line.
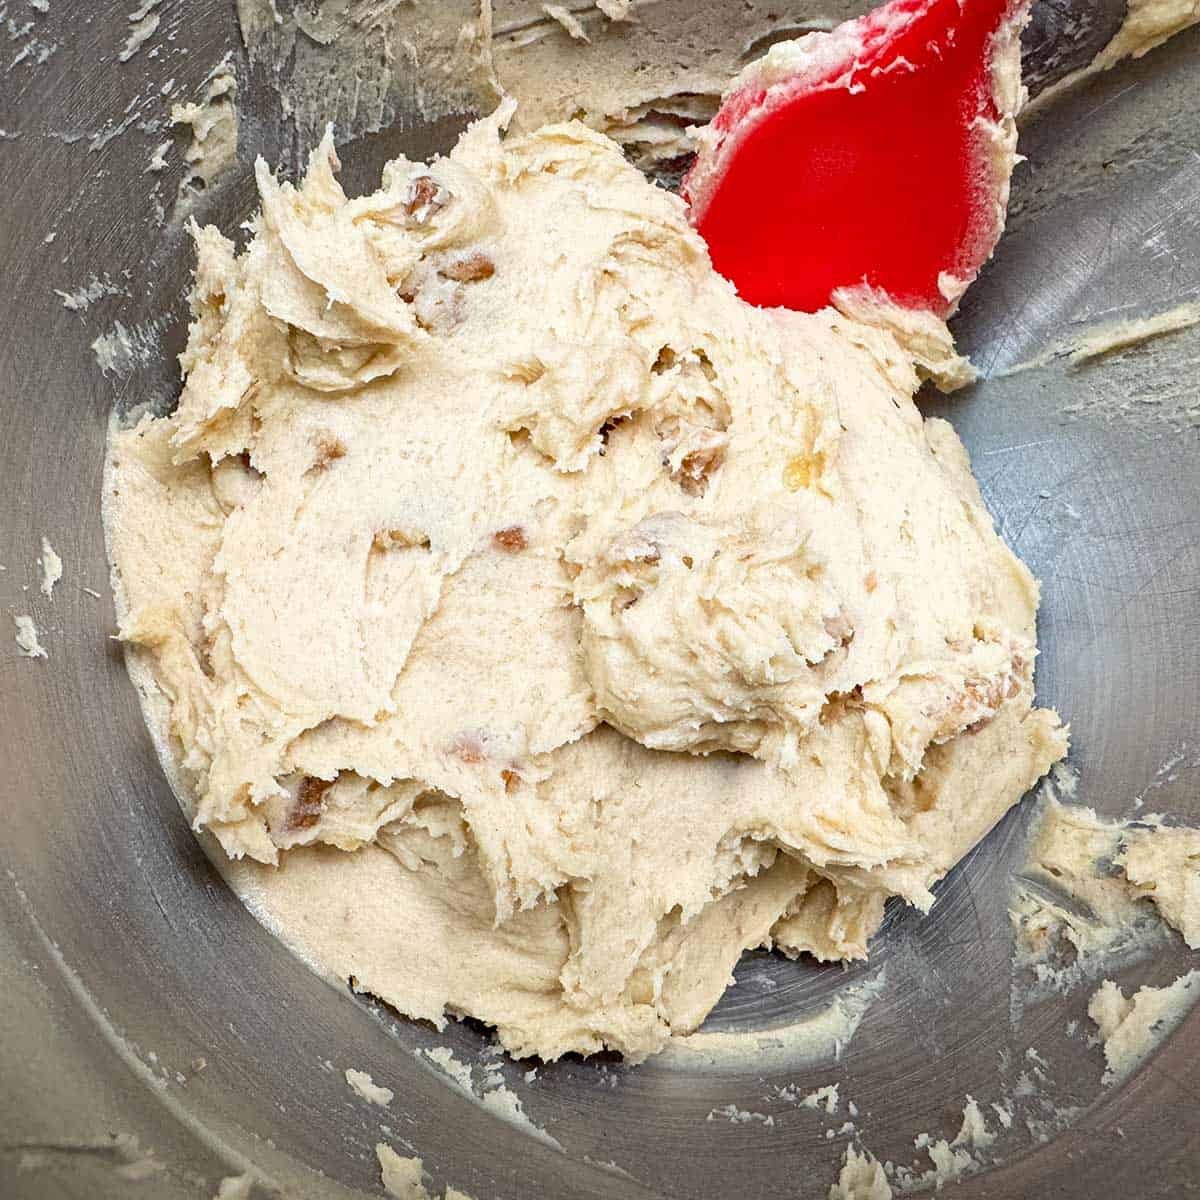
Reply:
x=118 y=939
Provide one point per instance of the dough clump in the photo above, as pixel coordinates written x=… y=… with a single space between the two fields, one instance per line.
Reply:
x=535 y=625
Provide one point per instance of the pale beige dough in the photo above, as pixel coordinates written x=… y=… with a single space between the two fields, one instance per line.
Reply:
x=538 y=626
x=1131 y=1028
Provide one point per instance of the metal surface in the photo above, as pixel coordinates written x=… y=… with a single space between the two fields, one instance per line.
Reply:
x=124 y=958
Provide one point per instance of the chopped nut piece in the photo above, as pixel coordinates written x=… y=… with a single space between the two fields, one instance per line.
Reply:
x=425 y=196
x=665 y=361
x=510 y=539
x=696 y=468
x=871 y=582
x=309 y=806
x=512 y=780
x=398 y=539
x=976 y=705
x=469 y=269
x=327 y=449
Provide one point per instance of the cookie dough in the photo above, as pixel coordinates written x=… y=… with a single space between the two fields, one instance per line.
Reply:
x=536 y=626
x=1131 y=1028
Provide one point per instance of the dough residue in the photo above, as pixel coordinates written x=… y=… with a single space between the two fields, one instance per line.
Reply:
x=1079 y=908
x=1084 y=885
x=122 y=1153
x=824 y=1097
x=368 y=1089
x=402 y=1178
x=213 y=121
x=144 y=21
x=81 y=298
x=1130 y=1028
x=236 y=1187
x=502 y=577
x=1162 y=865
x=1147 y=24
x=809 y=1038
x=369 y=67
x=1113 y=337
x=492 y=1093
x=122 y=350
x=568 y=20
x=615 y=10
x=52 y=569
x=740 y=1116
x=862 y=1178
x=28 y=643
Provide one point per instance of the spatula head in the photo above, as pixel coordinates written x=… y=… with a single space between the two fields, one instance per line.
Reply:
x=877 y=154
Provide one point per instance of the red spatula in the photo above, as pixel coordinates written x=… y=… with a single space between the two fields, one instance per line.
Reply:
x=878 y=154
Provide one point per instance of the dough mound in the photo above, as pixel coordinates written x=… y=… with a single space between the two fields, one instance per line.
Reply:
x=540 y=625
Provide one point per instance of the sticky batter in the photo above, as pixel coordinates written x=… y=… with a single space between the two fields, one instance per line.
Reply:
x=534 y=625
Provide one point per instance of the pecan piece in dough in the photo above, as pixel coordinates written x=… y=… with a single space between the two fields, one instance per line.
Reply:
x=425 y=196
x=310 y=804
x=511 y=539
x=469 y=269
x=326 y=449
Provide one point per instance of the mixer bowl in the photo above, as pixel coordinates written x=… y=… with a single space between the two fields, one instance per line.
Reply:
x=139 y=998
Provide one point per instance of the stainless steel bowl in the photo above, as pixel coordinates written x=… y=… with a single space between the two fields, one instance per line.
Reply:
x=126 y=962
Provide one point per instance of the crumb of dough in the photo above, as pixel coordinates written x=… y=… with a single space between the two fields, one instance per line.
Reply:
x=158 y=160
x=740 y=1116
x=615 y=10
x=493 y=1094
x=52 y=569
x=756 y=660
x=402 y=1178
x=824 y=1097
x=81 y=298
x=974 y=1132
x=368 y=1089
x=950 y=1162
x=236 y=1187
x=1162 y=864
x=1130 y=1028
x=144 y=21
x=568 y=20
x=27 y=638
x=862 y=1178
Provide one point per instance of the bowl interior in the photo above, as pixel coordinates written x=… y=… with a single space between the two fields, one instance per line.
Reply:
x=146 y=964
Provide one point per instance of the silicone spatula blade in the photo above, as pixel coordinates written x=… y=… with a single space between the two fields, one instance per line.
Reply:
x=876 y=154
